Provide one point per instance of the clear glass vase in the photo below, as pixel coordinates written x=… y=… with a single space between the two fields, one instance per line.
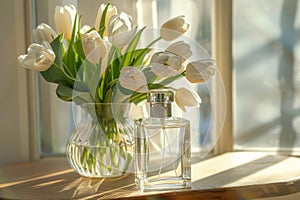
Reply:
x=101 y=144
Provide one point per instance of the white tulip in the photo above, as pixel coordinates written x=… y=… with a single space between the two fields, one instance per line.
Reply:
x=64 y=18
x=185 y=97
x=200 y=71
x=85 y=29
x=165 y=64
x=120 y=31
x=181 y=49
x=163 y=71
x=133 y=79
x=43 y=32
x=111 y=11
x=93 y=46
x=174 y=28
x=39 y=57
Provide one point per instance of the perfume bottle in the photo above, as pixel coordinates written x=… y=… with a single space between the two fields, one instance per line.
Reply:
x=162 y=150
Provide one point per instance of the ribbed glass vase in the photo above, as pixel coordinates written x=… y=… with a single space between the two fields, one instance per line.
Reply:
x=101 y=144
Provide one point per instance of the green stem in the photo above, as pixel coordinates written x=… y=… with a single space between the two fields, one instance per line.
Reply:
x=171 y=79
x=137 y=97
x=110 y=57
x=148 y=46
x=68 y=71
x=112 y=83
x=154 y=41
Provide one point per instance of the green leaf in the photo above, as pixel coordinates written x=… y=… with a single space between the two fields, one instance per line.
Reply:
x=116 y=64
x=108 y=76
x=69 y=60
x=58 y=50
x=81 y=86
x=63 y=92
x=85 y=70
x=70 y=57
x=150 y=76
x=128 y=57
x=101 y=31
x=56 y=75
x=102 y=22
x=111 y=54
x=100 y=93
x=94 y=82
x=74 y=30
x=66 y=93
x=108 y=96
x=79 y=55
x=120 y=94
x=139 y=56
x=77 y=46
x=78 y=28
x=138 y=97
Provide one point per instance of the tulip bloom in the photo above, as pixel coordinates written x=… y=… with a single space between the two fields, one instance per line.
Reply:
x=133 y=79
x=185 y=97
x=120 y=31
x=64 y=18
x=93 y=46
x=39 y=57
x=111 y=11
x=85 y=28
x=174 y=28
x=165 y=64
x=181 y=49
x=43 y=32
x=200 y=71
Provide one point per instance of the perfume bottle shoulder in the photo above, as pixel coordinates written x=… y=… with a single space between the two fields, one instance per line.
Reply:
x=165 y=122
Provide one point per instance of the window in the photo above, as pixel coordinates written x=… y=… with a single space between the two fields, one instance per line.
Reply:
x=266 y=75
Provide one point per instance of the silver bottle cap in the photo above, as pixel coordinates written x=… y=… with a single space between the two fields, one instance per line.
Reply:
x=160 y=103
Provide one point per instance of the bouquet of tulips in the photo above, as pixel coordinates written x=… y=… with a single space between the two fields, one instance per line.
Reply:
x=104 y=64
x=93 y=64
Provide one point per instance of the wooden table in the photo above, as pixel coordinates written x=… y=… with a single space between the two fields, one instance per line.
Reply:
x=239 y=175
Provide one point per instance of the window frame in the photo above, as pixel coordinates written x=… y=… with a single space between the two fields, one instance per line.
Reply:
x=32 y=102
x=222 y=52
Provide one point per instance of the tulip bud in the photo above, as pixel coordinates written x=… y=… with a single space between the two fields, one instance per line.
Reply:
x=133 y=79
x=111 y=11
x=185 y=97
x=120 y=30
x=93 y=46
x=39 y=57
x=43 y=32
x=200 y=71
x=174 y=28
x=64 y=18
x=165 y=64
x=181 y=49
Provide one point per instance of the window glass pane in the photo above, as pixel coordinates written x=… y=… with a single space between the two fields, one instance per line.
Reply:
x=56 y=121
x=198 y=14
x=266 y=74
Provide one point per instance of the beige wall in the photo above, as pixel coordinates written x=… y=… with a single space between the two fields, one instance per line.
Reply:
x=13 y=96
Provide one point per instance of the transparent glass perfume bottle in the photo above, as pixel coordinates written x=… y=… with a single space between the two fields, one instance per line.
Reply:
x=162 y=150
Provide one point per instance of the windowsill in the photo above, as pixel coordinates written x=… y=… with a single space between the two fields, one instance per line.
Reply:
x=238 y=175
